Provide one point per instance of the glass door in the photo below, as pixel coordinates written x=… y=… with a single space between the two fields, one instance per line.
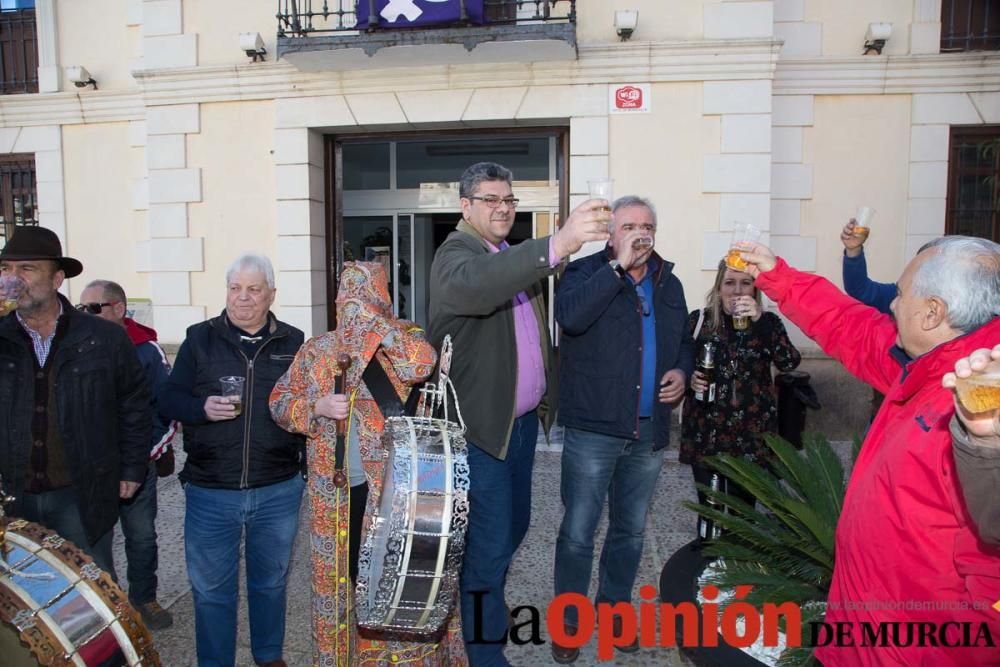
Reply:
x=388 y=240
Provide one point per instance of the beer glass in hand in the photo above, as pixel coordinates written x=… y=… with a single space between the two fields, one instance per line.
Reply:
x=862 y=222
x=11 y=288
x=980 y=392
x=745 y=236
x=741 y=314
x=232 y=389
x=601 y=189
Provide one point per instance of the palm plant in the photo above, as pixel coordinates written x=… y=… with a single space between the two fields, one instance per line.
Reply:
x=783 y=546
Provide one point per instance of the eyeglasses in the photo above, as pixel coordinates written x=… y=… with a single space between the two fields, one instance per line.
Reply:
x=494 y=202
x=94 y=308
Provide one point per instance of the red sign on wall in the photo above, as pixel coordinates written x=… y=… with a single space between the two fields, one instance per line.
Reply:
x=630 y=98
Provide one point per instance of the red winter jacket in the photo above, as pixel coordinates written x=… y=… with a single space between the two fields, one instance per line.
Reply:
x=906 y=550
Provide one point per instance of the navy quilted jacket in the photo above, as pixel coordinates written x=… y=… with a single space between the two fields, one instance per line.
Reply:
x=600 y=347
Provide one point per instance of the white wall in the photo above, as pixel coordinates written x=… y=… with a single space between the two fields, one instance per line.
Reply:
x=844 y=23
x=237 y=213
x=102 y=228
x=871 y=168
x=95 y=34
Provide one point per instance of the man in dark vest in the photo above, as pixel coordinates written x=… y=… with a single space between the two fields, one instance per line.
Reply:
x=242 y=472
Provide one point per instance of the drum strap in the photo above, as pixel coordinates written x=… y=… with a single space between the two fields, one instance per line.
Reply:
x=384 y=393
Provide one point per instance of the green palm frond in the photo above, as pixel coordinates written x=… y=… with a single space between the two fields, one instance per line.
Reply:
x=783 y=546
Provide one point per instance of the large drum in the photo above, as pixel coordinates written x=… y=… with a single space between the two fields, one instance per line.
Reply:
x=412 y=550
x=58 y=608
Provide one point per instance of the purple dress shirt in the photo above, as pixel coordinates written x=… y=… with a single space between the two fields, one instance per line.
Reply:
x=530 y=365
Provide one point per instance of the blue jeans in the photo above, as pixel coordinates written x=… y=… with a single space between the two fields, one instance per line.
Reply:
x=213 y=524
x=58 y=511
x=624 y=471
x=138 y=516
x=499 y=513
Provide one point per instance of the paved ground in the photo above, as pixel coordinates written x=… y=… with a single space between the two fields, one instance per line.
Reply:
x=529 y=583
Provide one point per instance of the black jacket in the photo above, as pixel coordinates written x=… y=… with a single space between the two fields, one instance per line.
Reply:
x=600 y=347
x=103 y=400
x=250 y=450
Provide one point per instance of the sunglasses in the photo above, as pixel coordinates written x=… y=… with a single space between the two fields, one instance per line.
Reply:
x=93 y=308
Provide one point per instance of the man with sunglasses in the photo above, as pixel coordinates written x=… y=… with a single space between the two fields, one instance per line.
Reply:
x=489 y=296
x=625 y=355
x=75 y=416
x=107 y=300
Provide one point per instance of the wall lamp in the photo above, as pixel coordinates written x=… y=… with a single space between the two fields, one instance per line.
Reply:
x=876 y=37
x=626 y=21
x=252 y=45
x=80 y=77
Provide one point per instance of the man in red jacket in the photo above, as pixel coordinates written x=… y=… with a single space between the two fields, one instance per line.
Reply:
x=913 y=584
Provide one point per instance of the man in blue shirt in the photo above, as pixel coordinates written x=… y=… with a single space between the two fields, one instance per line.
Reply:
x=856 y=281
x=626 y=354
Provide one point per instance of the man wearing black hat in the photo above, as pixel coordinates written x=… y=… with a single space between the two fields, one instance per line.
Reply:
x=75 y=420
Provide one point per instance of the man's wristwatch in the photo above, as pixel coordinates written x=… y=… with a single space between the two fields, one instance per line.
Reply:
x=616 y=266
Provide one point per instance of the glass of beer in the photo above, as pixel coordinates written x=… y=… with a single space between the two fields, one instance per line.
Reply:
x=744 y=236
x=601 y=189
x=11 y=288
x=980 y=392
x=232 y=388
x=643 y=243
x=741 y=315
x=862 y=222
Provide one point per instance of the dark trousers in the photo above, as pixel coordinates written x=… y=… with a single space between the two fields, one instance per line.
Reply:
x=359 y=498
x=499 y=513
x=58 y=510
x=138 y=517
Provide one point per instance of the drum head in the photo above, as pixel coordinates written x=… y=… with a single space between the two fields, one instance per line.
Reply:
x=56 y=603
x=412 y=548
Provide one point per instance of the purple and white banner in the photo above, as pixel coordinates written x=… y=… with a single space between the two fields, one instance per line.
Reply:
x=411 y=13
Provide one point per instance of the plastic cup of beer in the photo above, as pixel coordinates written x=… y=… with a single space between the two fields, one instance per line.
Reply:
x=744 y=236
x=601 y=189
x=741 y=316
x=980 y=392
x=642 y=244
x=862 y=222
x=11 y=288
x=232 y=389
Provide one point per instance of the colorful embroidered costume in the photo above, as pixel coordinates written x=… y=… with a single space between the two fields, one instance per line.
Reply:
x=366 y=330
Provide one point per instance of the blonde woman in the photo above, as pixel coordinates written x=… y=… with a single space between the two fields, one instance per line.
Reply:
x=744 y=404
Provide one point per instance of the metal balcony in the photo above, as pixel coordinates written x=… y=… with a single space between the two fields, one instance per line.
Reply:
x=317 y=35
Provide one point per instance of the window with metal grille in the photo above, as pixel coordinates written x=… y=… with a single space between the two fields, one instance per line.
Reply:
x=973 y=183
x=18 y=195
x=970 y=25
x=18 y=47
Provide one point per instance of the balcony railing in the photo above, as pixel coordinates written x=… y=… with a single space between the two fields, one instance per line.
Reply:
x=302 y=18
x=970 y=25
x=18 y=52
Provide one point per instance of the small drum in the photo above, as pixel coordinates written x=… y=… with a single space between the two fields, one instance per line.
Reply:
x=412 y=550
x=58 y=608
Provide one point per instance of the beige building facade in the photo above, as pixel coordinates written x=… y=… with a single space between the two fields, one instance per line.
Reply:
x=187 y=153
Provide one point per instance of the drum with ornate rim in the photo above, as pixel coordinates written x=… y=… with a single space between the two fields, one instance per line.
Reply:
x=58 y=608
x=412 y=550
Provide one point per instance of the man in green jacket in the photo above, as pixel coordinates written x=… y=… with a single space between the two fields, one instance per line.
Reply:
x=488 y=296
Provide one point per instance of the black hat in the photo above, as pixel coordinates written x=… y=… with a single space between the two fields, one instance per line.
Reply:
x=32 y=242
